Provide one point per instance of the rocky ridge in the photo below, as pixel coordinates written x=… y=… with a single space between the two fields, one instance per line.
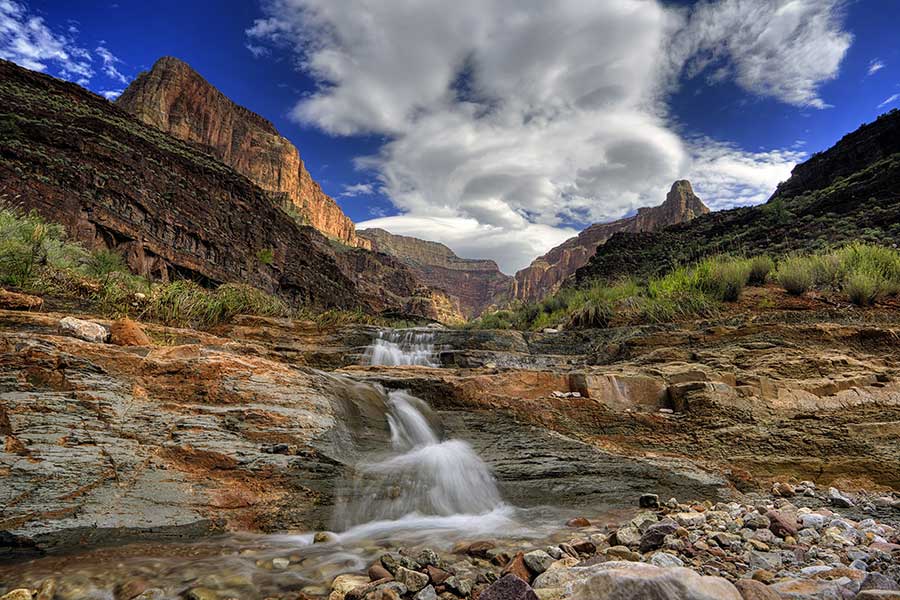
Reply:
x=547 y=273
x=847 y=193
x=476 y=284
x=175 y=211
x=178 y=100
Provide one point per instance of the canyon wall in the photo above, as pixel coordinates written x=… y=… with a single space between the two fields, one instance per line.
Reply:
x=474 y=283
x=546 y=274
x=176 y=99
x=172 y=209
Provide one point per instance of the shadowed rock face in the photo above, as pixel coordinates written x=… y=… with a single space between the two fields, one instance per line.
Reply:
x=546 y=274
x=172 y=209
x=176 y=99
x=475 y=284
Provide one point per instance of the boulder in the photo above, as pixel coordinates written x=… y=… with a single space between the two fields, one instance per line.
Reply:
x=508 y=587
x=640 y=581
x=15 y=301
x=517 y=567
x=877 y=595
x=628 y=536
x=655 y=535
x=781 y=524
x=877 y=581
x=839 y=499
x=343 y=584
x=578 y=522
x=126 y=332
x=537 y=561
x=426 y=593
x=83 y=330
x=19 y=594
x=413 y=580
x=751 y=589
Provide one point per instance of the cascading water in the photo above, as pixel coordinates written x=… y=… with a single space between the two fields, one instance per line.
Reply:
x=402 y=347
x=423 y=475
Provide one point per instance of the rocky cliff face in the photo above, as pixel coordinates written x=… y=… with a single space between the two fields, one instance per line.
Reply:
x=176 y=99
x=546 y=274
x=847 y=193
x=474 y=284
x=172 y=209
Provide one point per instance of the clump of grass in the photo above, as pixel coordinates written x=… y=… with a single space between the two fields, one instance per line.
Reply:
x=796 y=275
x=864 y=287
x=728 y=278
x=593 y=315
x=26 y=242
x=187 y=303
x=760 y=267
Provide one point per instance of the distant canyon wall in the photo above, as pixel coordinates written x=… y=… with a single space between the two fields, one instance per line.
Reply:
x=178 y=100
x=546 y=274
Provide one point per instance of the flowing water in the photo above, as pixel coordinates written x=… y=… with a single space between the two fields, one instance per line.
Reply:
x=407 y=486
x=402 y=347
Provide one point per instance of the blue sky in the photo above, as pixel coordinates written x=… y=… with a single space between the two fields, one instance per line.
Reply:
x=509 y=126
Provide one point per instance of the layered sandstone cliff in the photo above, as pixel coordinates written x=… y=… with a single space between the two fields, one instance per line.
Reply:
x=546 y=273
x=176 y=99
x=173 y=210
x=474 y=283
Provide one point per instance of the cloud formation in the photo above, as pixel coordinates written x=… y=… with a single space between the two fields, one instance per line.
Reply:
x=889 y=101
x=509 y=123
x=110 y=61
x=875 y=66
x=27 y=41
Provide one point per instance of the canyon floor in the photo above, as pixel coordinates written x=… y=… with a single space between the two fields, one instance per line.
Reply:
x=256 y=426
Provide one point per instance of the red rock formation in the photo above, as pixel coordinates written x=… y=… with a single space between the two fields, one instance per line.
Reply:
x=176 y=99
x=475 y=284
x=173 y=210
x=546 y=273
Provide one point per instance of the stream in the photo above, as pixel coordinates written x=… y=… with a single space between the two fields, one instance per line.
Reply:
x=420 y=490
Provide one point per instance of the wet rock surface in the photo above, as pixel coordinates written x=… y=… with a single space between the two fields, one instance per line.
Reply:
x=201 y=433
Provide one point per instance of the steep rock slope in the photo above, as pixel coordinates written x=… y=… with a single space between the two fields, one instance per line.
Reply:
x=475 y=284
x=176 y=99
x=546 y=274
x=171 y=209
x=849 y=192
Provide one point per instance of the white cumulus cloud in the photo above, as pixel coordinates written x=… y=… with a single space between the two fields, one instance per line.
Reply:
x=110 y=61
x=509 y=122
x=875 y=66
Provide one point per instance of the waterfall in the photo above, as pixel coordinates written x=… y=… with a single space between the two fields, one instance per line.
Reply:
x=422 y=478
x=402 y=347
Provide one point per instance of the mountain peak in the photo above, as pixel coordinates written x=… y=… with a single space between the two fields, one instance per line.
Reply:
x=176 y=99
x=546 y=273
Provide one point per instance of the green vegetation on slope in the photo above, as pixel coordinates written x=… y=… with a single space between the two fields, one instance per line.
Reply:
x=863 y=273
x=36 y=257
x=848 y=193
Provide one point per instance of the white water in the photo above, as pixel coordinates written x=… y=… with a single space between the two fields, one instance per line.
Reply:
x=424 y=482
x=402 y=347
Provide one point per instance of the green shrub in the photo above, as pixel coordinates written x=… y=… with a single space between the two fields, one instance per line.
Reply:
x=760 y=267
x=25 y=240
x=101 y=264
x=266 y=256
x=864 y=287
x=727 y=279
x=795 y=275
x=594 y=315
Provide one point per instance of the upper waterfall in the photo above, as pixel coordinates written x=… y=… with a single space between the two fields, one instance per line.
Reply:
x=398 y=347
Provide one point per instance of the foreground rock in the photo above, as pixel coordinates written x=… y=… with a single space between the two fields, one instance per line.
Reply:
x=15 y=301
x=637 y=581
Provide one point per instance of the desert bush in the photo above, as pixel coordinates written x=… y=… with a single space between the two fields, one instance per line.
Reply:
x=102 y=263
x=25 y=241
x=760 y=267
x=864 y=287
x=795 y=274
x=593 y=315
x=728 y=278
